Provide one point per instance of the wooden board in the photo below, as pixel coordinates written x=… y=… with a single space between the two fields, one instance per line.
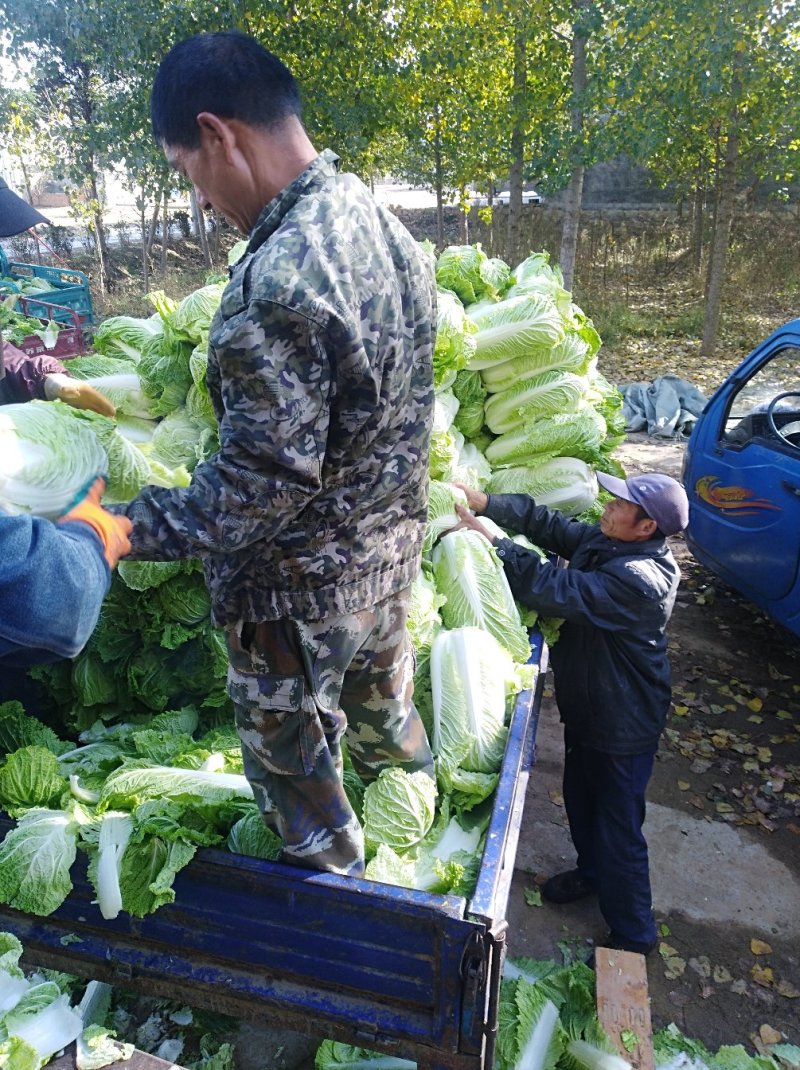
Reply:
x=140 y=1060
x=623 y=1003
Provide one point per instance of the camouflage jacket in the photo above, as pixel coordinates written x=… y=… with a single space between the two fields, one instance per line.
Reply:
x=320 y=371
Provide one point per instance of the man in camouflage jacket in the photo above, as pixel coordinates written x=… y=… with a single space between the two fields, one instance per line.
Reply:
x=309 y=519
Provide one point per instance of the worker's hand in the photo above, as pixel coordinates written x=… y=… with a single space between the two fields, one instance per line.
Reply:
x=114 y=531
x=79 y=395
x=477 y=500
x=470 y=522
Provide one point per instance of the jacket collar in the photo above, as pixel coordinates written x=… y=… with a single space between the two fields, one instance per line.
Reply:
x=321 y=167
x=618 y=548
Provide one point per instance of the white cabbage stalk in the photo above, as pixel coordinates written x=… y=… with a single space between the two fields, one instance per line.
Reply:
x=12 y=989
x=115 y=831
x=51 y=1029
x=595 y=1058
x=532 y=1056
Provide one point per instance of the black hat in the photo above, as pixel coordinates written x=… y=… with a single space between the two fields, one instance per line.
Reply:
x=16 y=215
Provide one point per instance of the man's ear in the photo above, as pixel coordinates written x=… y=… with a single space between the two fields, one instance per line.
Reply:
x=648 y=527
x=216 y=133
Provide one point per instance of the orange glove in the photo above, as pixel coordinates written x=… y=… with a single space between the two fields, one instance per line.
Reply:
x=113 y=530
x=82 y=396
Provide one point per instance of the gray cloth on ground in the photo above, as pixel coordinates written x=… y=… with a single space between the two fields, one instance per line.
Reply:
x=665 y=408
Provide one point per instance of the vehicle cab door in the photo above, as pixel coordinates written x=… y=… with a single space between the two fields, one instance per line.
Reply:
x=743 y=476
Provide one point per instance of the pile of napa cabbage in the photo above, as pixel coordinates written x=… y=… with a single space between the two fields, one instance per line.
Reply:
x=520 y=406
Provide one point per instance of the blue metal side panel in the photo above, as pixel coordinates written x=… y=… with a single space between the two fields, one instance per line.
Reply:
x=306 y=943
x=384 y=967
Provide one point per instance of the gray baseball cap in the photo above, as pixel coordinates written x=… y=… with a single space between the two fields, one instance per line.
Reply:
x=662 y=498
x=16 y=215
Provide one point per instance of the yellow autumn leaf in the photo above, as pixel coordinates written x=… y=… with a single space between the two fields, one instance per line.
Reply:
x=783 y=715
x=768 y=1035
x=787 y=990
x=763 y=975
x=755 y=719
x=764 y=754
x=684 y=785
x=681 y=711
x=760 y=947
x=724 y=808
x=755 y=704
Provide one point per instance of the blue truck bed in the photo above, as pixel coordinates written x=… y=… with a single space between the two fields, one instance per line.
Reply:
x=373 y=965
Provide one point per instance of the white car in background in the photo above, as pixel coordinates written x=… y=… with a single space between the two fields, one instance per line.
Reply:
x=529 y=196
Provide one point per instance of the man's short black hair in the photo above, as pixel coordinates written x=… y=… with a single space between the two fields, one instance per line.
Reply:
x=228 y=74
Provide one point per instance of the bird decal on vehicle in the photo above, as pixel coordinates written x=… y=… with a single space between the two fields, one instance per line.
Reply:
x=733 y=500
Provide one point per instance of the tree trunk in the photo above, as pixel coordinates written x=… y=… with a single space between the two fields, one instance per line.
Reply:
x=697 y=228
x=519 y=108
x=143 y=226
x=719 y=245
x=29 y=194
x=572 y=205
x=439 y=179
x=151 y=237
x=199 y=221
x=164 y=233
x=107 y=273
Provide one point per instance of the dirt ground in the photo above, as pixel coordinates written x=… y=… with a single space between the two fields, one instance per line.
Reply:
x=723 y=821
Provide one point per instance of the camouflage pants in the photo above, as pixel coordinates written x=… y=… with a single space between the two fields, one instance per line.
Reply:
x=297 y=688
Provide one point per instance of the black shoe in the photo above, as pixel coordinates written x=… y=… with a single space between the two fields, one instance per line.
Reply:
x=619 y=943
x=566 y=887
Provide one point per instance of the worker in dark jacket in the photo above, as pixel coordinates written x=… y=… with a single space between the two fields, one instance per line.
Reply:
x=310 y=518
x=611 y=673
x=44 y=378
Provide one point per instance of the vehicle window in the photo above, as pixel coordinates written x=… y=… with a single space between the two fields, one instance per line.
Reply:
x=746 y=418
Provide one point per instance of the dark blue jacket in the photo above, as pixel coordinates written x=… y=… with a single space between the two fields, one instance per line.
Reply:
x=610 y=664
x=53 y=579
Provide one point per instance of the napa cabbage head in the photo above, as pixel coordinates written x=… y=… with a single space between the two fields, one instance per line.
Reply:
x=47 y=458
x=442 y=500
x=470 y=574
x=572 y=434
x=564 y=483
x=446 y=440
x=180 y=440
x=541 y=395
x=469 y=273
x=471 y=467
x=455 y=342
x=471 y=674
x=130 y=466
x=424 y=620
x=570 y=355
x=470 y=392
x=125 y=336
x=535 y=275
x=191 y=319
x=512 y=327
x=165 y=373
x=399 y=808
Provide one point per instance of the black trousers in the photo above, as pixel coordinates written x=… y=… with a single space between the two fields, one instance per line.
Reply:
x=604 y=796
